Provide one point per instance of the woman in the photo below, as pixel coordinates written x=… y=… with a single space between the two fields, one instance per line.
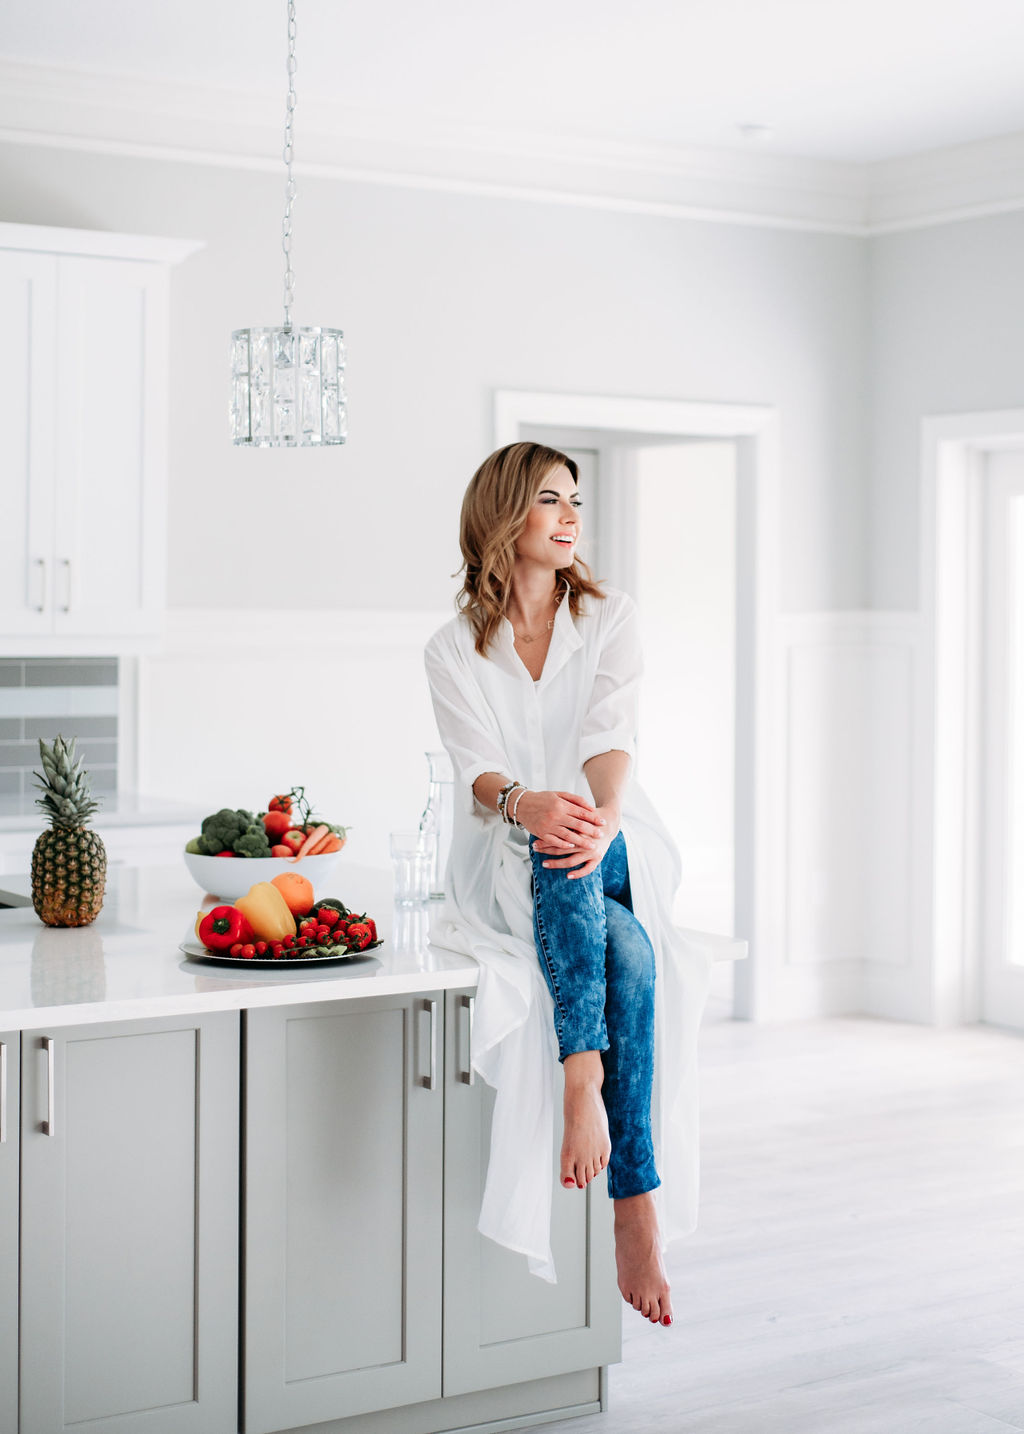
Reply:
x=555 y=855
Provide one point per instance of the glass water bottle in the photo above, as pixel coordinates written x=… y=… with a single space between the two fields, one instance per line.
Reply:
x=437 y=817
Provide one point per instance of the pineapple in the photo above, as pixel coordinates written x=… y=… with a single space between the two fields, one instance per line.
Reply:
x=69 y=863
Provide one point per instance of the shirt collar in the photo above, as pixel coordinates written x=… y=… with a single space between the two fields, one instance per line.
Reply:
x=565 y=640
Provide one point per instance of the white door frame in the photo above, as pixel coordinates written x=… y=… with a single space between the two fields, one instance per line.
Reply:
x=756 y=432
x=951 y=595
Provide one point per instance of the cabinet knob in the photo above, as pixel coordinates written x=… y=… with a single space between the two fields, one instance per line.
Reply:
x=66 y=565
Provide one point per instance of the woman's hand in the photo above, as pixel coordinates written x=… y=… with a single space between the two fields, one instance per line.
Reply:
x=560 y=821
x=585 y=858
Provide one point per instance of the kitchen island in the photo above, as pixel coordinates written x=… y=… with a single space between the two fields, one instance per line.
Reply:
x=247 y=1199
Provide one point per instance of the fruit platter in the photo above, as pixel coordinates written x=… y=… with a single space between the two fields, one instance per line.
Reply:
x=278 y=923
x=237 y=847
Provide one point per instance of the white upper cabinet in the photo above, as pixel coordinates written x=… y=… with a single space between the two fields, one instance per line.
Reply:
x=83 y=438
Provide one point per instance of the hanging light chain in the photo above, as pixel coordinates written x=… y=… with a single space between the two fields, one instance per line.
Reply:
x=289 y=189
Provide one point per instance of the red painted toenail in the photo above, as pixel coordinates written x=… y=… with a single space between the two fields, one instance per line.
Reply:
x=666 y=1319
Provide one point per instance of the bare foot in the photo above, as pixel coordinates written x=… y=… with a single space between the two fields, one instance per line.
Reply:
x=642 y=1278
x=585 y=1143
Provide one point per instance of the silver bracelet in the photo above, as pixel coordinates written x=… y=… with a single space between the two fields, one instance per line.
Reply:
x=516 y=790
x=503 y=797
x=515 y=808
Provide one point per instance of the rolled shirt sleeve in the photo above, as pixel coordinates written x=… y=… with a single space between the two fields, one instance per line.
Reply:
x=468 y=732
x=610 y=720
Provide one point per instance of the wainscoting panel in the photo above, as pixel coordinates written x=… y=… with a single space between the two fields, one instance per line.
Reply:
x=239 y=704
x=848 y=742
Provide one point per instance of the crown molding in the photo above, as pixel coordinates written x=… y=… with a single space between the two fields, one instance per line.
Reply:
x=122 y=115
x=147 y=248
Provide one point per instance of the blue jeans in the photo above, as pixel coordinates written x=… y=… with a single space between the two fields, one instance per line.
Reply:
x=599 y=965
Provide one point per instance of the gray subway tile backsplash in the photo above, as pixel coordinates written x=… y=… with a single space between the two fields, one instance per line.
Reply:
x=19 y=735
x=71 y=672
x=83 y=728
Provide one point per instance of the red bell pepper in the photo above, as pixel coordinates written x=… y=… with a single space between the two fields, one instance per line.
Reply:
x=222 y=927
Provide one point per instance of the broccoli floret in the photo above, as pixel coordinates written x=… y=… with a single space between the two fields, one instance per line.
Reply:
x=253 y=841
x=194 y=847
x=223 y=829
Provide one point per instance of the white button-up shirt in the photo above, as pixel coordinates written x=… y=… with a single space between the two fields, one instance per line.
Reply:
x=493 y=717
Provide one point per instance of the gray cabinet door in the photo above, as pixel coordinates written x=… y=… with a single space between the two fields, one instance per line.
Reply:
x=343 y=1167
x=9 y=1082
x=129 y=1227
x=502 y=1324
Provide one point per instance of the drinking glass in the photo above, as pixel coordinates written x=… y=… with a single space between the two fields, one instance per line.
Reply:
x=412 y=854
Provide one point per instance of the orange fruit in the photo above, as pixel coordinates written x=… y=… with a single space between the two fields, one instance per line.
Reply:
x=297 y=891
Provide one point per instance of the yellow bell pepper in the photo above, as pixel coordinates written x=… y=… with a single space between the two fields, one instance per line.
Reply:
x=267 y=912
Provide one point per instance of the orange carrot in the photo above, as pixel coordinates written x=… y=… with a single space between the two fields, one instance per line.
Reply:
x=314 y=838
x=331 y=843
x=320 y=846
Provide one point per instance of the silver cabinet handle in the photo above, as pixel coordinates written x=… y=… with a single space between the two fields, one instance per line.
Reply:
x=66 y=564
x=468 y=1004
x=430 y=1081
x=50 y=1123
x=3 y=1092
x=40 y=563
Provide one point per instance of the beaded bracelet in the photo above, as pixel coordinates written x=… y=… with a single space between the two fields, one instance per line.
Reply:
x=504 y=806
x=503 y=797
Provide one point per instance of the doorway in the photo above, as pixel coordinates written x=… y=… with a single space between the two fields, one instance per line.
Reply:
x=1001 y=974
x=701 y=477
x=972 y=692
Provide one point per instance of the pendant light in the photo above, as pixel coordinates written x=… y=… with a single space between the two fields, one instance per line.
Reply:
x=287 y=383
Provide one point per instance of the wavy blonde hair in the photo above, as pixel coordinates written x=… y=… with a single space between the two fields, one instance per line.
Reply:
x=500 y=495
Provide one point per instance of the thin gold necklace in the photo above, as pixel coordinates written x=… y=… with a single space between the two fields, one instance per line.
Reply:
x=536 y=636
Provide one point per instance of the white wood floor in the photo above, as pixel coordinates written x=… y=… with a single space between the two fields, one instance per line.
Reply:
x=859 y=1268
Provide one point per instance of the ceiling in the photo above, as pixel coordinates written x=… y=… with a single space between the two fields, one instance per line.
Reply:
x=834 y=80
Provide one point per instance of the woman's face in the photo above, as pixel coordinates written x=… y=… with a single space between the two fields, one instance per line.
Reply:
x=553 y=523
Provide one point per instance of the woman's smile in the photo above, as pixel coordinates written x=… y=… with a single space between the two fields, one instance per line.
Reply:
x=552 y=521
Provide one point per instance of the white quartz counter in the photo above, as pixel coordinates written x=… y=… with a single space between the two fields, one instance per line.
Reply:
x=127 y=965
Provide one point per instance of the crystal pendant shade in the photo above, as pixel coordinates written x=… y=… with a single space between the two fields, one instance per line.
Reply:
x=288 y=387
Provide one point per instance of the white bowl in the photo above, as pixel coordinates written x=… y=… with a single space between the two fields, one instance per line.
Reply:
x=231 y=877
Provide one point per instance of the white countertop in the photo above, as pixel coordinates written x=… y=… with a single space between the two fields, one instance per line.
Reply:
x=127 y=965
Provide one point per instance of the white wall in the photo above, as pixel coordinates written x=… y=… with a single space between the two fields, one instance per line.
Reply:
x=444 y=298
x=946 y=336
